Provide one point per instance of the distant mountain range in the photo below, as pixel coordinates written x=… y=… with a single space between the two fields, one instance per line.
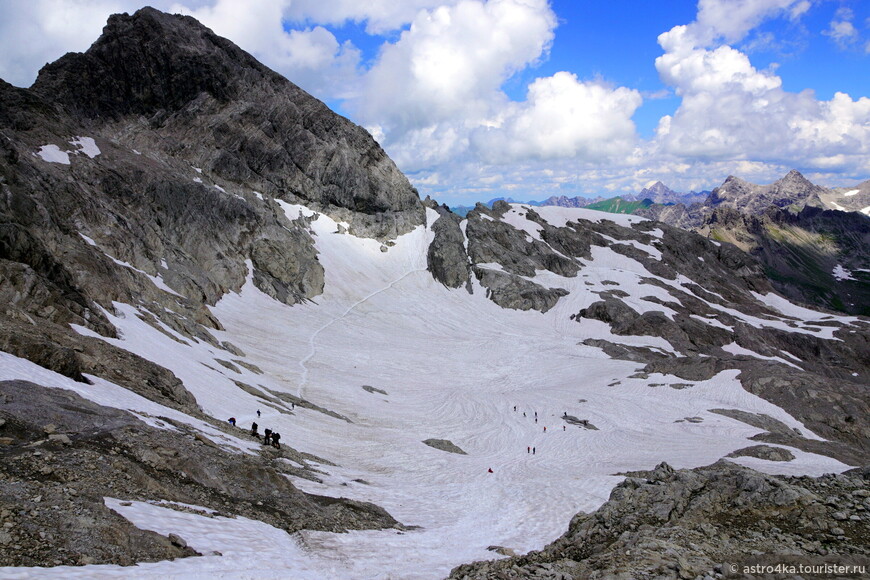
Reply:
x=811 y=253
x=656 y=193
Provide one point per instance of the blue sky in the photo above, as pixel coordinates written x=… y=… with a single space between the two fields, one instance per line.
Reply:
x=475 y=99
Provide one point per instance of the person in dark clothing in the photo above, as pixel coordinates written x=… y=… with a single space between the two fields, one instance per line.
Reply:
x=254 y=430
x=533 y=450
x=267 y=437
x=276 y=440
x=258 y=413
x=233 y=421
x=528 y=449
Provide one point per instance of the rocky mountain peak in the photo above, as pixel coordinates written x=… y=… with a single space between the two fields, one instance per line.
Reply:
x=167 y=84
x=792 y=191
x=657 y=188
x=146 y=62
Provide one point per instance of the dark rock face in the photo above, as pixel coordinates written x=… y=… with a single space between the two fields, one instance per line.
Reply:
x=512 y=291
x=695 y=523
x=225 y=112
x=493 y=241
x=87 y=452
x=801 y=252
x=446 y=257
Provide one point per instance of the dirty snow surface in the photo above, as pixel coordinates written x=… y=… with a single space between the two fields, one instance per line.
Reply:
x=453 y=366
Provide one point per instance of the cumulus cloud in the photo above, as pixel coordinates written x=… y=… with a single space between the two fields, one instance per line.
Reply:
x=451 y=63
x=563 y=117
x=732 y=111
x=729 y=20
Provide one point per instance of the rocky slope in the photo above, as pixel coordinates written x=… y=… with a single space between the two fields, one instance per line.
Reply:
x=813 y=256
x=856 y=198
x=154 y=170
x=61 y=455
x=150 y=170
x=710 y=522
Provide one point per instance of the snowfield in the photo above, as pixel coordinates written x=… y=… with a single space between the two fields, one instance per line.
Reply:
x=454 y=366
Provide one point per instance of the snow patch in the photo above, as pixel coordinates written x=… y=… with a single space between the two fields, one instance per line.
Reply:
x=89 y=240
x=53 y=154
x=736 y=349
x=197 y=180
x=86 y=145
x=293 y=211
x=850 y=193
x=840 y=273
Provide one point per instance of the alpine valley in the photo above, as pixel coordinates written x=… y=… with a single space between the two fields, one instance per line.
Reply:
x=523 y=392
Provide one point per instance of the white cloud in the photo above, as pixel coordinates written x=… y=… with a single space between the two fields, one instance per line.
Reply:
x=60 y=26
x=563 y=117
x=730 y=20
x=451 y=63
x=841 y=30
x=731 y=111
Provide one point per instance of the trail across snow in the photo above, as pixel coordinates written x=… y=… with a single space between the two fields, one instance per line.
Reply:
x=312 y=342
x=453 y=366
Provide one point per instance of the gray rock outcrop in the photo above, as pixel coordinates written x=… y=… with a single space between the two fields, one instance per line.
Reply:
x=446 y=257
x=445 y=445
x=512 y=291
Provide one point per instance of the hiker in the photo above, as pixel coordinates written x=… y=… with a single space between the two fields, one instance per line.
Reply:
x=276 y=438
x=536 y=414
x=528 y=449
x=293 y=406
x=489 y=470
x=533 y=450
x=267 y=438
x=258 y=413
x=524 y=413
x=536 y=419
x=254 y=430
x=515 y=408
x=563 y=427
x=545 y=429
x=233 y=421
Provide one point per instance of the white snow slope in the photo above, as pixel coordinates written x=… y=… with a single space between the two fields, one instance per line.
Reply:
x=453 y=366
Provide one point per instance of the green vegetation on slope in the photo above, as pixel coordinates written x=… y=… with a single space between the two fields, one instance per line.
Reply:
x=619 y=205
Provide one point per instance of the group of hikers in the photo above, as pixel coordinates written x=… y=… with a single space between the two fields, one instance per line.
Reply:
x=270 y=437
